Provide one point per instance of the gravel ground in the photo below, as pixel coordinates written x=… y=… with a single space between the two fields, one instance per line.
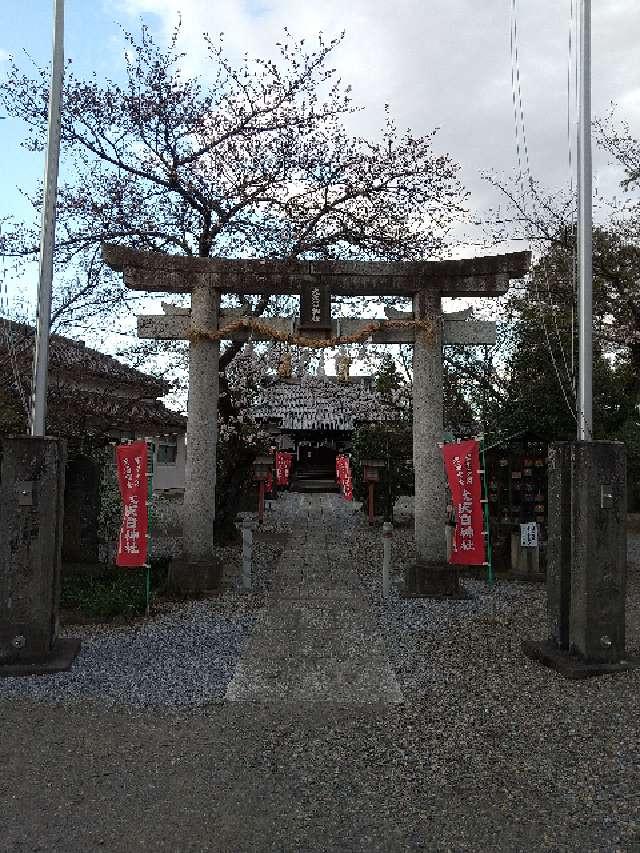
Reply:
x=184 y=656
x=431 y=642
x=488 y=751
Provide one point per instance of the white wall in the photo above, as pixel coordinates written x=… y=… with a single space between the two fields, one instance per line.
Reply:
x=170 y=476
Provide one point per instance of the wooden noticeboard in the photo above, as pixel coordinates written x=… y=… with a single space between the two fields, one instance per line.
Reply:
x=517 y=491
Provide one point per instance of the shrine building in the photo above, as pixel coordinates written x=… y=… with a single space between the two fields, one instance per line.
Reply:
x=315 y=416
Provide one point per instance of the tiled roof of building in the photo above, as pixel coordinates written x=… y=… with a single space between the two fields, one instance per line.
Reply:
x=68 y=355
x=89 y=392
x=321 y=403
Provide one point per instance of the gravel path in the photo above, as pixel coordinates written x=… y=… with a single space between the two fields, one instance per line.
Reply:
x=487 y=752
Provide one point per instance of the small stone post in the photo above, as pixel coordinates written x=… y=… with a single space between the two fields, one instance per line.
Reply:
x=387 y=531
x=247 y=545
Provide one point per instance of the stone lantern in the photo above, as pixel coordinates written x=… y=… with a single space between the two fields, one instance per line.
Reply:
x=371 y=475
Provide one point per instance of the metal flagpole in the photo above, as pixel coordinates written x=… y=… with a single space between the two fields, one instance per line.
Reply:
x=43 y=319
x=585 y=237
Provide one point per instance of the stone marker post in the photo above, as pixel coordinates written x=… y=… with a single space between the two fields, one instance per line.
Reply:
x=586 y=580
x=559 y=543
x=599 y=546
x=247 y=527
x=31 y=513
x=387 y=532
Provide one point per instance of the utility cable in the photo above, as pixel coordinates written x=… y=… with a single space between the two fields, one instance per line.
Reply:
x=522 y=152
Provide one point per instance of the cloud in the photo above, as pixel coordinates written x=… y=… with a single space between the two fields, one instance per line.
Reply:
x=4 y=55
x=443 y=64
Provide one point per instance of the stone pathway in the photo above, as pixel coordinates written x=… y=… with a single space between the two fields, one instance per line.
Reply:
x=316 y=640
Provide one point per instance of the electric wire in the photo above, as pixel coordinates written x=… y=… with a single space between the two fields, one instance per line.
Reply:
x=516 y=123
x=522 y=153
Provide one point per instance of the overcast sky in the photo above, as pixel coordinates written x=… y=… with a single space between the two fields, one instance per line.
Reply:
x=444 y=63
x=447 y=63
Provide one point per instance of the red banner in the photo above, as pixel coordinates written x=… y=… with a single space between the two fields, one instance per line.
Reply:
x=343 y=476
x=268 y=485
x=462 y=464
x=283 y=467
x=131 y=465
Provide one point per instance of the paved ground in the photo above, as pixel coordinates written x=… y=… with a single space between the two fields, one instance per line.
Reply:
x=316 y=639
x=485 y=751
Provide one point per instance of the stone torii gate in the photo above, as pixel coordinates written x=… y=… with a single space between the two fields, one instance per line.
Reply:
x=205 y=324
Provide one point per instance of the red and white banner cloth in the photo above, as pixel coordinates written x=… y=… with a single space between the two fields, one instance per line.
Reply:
x=131 y=466
x=283 y=467
x=462 y=465
x=343 y=476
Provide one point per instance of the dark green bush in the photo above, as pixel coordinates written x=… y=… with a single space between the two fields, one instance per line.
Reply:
x=391 y=443
x=117 y=592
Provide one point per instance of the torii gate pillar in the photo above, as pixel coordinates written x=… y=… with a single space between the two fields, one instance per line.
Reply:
x=200 y=570
x=428 y=421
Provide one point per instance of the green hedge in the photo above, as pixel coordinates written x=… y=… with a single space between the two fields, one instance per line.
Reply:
x=393 y=444
x=117 y=592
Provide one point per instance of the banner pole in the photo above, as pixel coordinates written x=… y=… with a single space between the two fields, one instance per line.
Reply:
x=149 y=496
x=490 y=576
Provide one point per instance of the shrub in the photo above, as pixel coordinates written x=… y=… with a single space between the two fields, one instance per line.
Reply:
x=117 y=592
x=393 y=444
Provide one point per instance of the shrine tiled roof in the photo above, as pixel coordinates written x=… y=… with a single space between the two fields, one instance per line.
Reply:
x=321 y=403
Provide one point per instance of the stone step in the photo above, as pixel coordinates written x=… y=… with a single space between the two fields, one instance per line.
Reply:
x=335 y=644
x=289 y=617
x=314 y=486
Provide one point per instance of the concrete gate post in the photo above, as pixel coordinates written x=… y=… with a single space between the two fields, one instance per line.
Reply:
x=200 y=570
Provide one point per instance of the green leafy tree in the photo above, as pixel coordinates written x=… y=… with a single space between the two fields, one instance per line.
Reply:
x=392 y=444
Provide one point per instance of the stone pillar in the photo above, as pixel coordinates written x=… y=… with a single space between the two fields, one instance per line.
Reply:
x=559 y=544
x=599 y=545
x=200 y=475
x=31 y=511
x=427 y=430
x=587 y=561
